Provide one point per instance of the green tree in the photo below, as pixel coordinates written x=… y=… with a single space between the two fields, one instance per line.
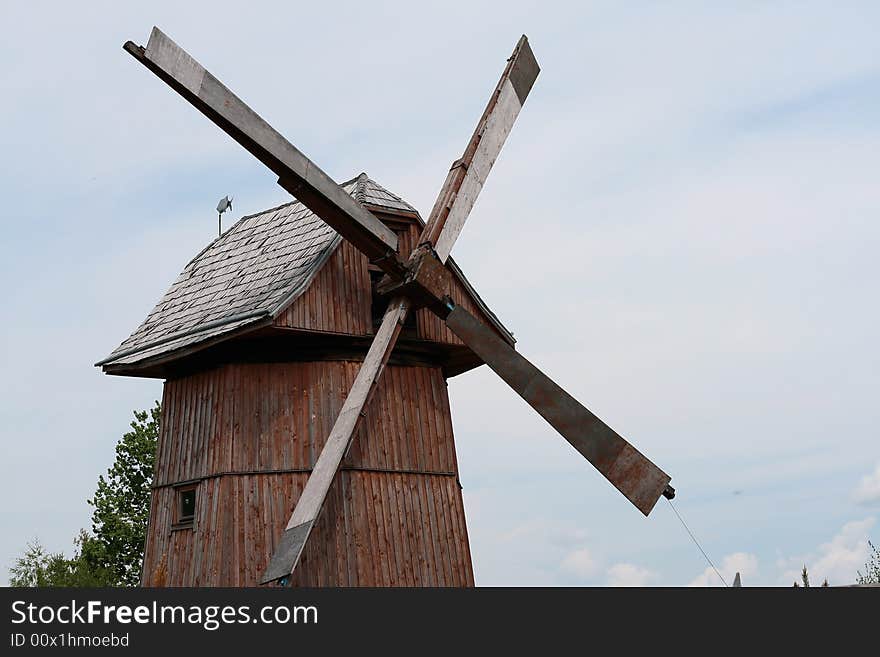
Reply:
x=872 y=567
x=805 y=578
x=36 y=567
x=33 y=567
x=112 y=554
x=122 y=502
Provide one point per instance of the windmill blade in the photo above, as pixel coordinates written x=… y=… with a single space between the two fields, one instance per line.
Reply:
x=468 y=174
x=296 y=173
x=460 y=190
x=623 y=465
x=310 y=502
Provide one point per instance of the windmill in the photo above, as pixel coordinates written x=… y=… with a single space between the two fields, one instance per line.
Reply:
x=344 y=494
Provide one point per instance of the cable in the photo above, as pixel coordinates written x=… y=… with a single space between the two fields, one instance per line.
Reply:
x=694 y=539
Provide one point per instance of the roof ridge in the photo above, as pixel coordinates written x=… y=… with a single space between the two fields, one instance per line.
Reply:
x=359 y=193
x=360 y=188
x=234 y=279
x=374 y=192
x=352 y=180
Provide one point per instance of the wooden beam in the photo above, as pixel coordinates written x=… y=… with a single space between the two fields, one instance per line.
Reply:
x=296 y=173
x=623 y=465
x=468 y=174
x=308 y=507
x=454 y=203
x=426 y=283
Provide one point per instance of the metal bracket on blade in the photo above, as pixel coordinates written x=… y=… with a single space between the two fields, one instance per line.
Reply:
x=391 y=264
x=427 y=283
x=287 y=554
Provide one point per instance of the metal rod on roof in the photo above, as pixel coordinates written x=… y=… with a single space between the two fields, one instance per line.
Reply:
x=224 y=205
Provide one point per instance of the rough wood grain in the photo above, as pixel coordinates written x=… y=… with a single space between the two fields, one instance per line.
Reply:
x=623 y=465
x=296 y=173
x=454 y=203
x=468 y=174
x=311 y=501
x=253 y=429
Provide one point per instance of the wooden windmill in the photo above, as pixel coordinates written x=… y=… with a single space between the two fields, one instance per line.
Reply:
x=306 y=435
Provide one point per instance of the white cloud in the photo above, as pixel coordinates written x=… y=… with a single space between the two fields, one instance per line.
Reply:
x=837 y=561
x=580 y=563
x=697 y=231
x=628 y=574
x=739 y=562
x=868 y=491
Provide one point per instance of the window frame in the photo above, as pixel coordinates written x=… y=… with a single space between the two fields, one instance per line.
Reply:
x=181 y=521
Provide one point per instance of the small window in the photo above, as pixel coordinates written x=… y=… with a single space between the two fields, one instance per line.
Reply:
x=380 y=304
x=186 y=506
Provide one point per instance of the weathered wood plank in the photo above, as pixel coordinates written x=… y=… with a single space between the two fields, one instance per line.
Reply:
x=468 y=174
x=296 y=173
x=623 y=465
x=309 y=505
x=318 y=192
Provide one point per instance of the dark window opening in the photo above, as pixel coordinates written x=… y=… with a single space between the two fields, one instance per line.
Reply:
x=186 y=507
x=379 y=305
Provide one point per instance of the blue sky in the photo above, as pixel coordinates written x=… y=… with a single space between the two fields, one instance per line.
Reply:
x=682 y=230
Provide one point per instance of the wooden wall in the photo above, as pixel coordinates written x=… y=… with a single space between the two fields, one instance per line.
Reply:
x=376 y=529
x=339 y=298
x=248 y=434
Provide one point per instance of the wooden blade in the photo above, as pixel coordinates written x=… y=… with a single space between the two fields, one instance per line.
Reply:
x=468 y=174
x=308 y=507
x=623 y=465
x=296 y=173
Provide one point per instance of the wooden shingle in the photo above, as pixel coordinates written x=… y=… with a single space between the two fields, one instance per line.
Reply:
x=247 y=275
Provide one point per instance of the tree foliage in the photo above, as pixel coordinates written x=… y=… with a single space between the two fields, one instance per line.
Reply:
x=805 y=578
x=36 y=567
x=112 y=554
x=870 y=576
x=872 y=567
x=122 y=501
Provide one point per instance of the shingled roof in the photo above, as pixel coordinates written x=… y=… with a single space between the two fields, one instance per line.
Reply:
x=252 y=271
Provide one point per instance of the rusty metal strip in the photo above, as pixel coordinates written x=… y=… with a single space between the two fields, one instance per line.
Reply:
x=623 y=465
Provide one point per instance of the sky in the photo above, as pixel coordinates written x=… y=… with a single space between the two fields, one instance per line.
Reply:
x=681 y=230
